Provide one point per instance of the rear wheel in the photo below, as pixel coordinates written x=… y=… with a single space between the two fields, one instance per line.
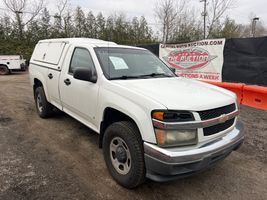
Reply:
x=4 y=70
x=44 y=108
x=123 y=153
x=23 y=67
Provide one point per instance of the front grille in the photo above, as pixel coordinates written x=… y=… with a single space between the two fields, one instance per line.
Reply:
x=218 y=127
x=216 y=112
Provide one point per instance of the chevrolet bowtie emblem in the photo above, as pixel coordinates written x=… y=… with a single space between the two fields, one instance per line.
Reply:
x=223 y=118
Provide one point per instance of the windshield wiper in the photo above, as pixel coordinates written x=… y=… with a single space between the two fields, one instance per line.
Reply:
x=123 y=77
x=155 y=74
x=140 y=76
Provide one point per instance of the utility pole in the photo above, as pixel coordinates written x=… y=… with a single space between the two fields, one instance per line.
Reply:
x=253 y=28
x=204 y=14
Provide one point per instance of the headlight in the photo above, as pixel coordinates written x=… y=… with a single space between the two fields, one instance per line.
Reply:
x=171 y=138
x=173 y=116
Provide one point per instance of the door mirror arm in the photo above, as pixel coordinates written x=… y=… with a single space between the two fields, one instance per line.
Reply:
x=172 y=69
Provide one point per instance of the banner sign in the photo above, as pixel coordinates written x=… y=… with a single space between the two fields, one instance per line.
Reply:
x=201 y=60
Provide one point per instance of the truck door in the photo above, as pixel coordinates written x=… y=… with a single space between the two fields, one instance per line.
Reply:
x=79 y=98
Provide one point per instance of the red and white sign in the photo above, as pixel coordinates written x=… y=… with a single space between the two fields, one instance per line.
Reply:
x=202 y=60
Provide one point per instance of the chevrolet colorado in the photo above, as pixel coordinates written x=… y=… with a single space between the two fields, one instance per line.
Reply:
x=151 y=123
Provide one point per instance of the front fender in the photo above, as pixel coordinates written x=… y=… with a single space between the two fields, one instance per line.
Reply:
x=139 y=114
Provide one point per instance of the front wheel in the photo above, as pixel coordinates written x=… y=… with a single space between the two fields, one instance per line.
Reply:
x=124 y=154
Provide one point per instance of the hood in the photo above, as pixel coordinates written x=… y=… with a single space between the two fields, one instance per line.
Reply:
x=180 y=93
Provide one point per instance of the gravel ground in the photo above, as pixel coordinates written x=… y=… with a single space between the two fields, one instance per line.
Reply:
x=59 y=158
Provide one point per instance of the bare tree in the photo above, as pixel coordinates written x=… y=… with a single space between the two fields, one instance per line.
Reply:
x=216 y=9
x=187 y=27
x=62 y=5
x=22 y=7
x=62 y=17
x=167 y=12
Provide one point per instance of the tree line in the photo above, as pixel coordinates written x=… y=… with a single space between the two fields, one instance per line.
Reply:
x=27 y=21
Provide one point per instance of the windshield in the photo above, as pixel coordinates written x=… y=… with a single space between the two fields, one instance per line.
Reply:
x=126 y=63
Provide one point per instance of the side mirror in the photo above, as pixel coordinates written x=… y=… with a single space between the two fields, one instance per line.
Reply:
x=85 y=75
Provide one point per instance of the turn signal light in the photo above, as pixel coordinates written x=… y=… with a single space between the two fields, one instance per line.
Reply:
x=161 y=136
x=159 y=115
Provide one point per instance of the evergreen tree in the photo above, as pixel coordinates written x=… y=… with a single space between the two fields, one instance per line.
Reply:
x=109 y=30
x=90 y=25
x=120 y=30
x=57 y=30
x=79 y=22
x=230 y=29
x=6 y=28
x=145 y=33
x=135 y=31
x=45 y=24
x=2 y=31
x=100 y=26
x=33 y=32
x=69 y=30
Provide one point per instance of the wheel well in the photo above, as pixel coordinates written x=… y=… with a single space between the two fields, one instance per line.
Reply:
x=111 y=115
x=5 y=66
x=36 y=84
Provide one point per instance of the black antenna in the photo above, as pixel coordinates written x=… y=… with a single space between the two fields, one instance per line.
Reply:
x=109 y=38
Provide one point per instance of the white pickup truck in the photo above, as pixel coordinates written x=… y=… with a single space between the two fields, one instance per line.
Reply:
x=151 y=123
x=11 y=62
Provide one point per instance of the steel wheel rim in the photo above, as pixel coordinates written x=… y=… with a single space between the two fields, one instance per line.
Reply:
x=39 y=102
x=117 y=145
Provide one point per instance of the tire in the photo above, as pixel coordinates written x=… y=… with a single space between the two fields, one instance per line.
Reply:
x=129 y=172
x=44 y=108
x=4 y=70
x=23 y=67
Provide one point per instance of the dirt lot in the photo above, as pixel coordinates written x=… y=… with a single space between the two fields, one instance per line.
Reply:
x=59 y=158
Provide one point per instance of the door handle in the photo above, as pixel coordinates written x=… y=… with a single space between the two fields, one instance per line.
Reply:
x=67 y=81
x=50 y=76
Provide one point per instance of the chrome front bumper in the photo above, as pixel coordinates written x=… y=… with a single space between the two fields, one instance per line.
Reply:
x=165 y=164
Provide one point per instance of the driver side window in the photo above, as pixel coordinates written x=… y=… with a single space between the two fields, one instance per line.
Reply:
x=81 y=58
